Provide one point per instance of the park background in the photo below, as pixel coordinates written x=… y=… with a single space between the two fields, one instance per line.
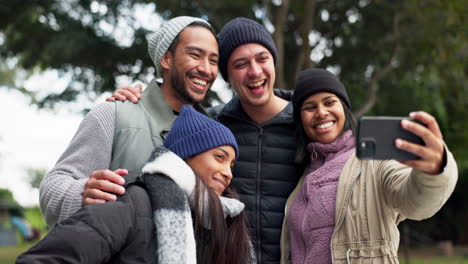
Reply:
x=60 y=58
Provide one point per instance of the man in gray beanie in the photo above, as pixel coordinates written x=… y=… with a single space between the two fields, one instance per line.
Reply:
x=117 y=137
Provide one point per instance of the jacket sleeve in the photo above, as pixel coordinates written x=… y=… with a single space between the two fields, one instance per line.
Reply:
x=414 y=194
x=92 y=235
x=90 y=149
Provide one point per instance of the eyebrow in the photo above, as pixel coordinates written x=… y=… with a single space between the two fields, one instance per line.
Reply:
x=227 y=154
x=190 y=48
x=223 y=150
x=323 y=99
x=247 y=58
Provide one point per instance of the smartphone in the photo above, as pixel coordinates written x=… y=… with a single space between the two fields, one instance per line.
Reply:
x=376 y=136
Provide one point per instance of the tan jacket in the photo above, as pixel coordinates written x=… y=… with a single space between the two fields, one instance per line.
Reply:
x=373 y=197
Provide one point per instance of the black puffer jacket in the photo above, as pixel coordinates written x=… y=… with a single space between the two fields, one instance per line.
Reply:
x=264 y=174
x=89 y=236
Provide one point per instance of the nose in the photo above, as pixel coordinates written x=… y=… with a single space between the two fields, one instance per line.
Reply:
x=321 y=112
x=204 y=67
x=227 y=173
x=254 y=69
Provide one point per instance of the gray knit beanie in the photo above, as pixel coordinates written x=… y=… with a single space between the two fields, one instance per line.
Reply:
x=161 y=40
x=240 y=31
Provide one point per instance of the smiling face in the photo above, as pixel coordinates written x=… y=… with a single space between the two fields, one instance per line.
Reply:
x=323 y=117
x=214 y=167
x=193 y=66
x=251 y=72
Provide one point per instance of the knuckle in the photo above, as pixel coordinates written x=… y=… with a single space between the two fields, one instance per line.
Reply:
x=100 y=185
x=89 y=183
x=88 y=201
x=96 y=174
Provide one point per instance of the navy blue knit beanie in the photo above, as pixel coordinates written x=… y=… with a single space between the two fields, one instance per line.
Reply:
x=193 y=133
x=312 y=81
x=240 y=31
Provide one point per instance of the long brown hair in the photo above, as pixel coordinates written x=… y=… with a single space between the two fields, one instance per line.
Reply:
x=227 y=241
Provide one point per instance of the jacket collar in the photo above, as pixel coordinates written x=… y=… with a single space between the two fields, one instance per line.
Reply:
x=234 y=109
x=155 y=103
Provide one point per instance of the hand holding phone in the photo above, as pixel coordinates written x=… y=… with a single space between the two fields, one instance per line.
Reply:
x=431 y=156
x=376 y=137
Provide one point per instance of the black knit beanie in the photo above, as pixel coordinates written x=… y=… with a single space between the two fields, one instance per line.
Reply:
x=314 y=81
x=240 y=31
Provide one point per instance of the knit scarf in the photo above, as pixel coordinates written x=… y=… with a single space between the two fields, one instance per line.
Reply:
x=170 y=183
x=312 y=214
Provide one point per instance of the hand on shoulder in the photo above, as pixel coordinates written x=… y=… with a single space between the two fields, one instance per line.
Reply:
x=132 y=93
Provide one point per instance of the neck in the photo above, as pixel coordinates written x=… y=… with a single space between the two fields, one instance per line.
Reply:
x=263 y=113
x=172 y=97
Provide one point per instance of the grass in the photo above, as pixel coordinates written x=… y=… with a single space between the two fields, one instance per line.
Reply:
x=34 y=216
x=8 y=255
x=436 y=260
x=431 y=256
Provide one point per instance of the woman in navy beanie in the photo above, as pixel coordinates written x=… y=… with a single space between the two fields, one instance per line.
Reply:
x=346 y=210
x=179 y=210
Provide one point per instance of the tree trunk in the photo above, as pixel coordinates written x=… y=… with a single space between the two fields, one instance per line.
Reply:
x=303 y=56
x=279 y=21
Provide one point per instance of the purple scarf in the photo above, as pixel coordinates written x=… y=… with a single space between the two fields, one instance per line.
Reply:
x=312 y=214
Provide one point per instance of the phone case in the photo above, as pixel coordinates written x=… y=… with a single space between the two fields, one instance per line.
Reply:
x=376 y=138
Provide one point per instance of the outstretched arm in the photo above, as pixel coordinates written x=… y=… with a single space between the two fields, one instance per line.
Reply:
x=419 y=189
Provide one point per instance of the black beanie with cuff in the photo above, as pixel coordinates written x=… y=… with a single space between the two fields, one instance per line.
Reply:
x=312 y=81
x=240 y=31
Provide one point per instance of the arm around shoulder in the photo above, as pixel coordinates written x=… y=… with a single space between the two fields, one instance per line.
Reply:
x=89 y=150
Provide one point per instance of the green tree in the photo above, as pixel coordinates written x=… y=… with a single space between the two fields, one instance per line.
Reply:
x=35 y=176
x=8 y=201
x=393 y=56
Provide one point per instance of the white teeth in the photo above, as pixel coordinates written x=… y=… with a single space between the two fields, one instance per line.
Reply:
x=324 y=125
x=198 y=81
x=255 y=84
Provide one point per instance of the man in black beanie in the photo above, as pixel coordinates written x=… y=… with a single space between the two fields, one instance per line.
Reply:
x=263 y=125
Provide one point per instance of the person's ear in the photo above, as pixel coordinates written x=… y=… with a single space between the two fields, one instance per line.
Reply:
x=167 y=60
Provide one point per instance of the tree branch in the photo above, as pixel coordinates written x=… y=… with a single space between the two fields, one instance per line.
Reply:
x=373 y=87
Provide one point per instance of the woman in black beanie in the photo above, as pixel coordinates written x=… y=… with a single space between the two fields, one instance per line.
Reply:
x=346 y=210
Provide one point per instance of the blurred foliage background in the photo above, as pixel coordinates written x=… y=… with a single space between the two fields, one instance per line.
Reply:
x=394 y=57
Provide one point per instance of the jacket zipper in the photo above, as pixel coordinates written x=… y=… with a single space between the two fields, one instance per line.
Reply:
x=259 y=159
x=343 y=213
